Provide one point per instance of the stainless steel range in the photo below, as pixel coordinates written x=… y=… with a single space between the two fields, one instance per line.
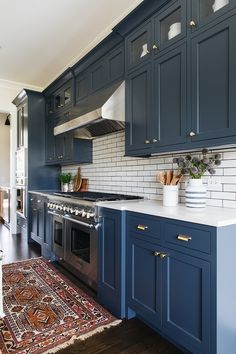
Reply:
x=75 y=228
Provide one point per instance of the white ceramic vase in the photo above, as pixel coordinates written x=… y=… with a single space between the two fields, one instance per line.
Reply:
x=65 y=187
x=170 y=195
x=195 y=194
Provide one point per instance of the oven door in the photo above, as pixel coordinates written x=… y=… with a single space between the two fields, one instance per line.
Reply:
x=81 y=250
x=58 y=246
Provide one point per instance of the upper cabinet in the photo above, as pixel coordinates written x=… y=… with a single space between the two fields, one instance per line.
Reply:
x=161 y=31
x=22 y=114
x=205 y=11
x=181 y=69
x=213 y=80
x=60 y=102
x=100 y=74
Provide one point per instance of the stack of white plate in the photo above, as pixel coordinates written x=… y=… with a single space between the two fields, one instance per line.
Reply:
x=174 y=30
x=218 y=4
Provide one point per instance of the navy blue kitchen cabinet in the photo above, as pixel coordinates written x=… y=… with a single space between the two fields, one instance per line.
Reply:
x=186 y=300
x=105 y=71
x=60 y=102
x=213 y=91
x=169 y=280
x=139 y=110
x=65 y=149
x=154 y=36
x=39 y=224
x=152 y=123
x=144 y=279
x=111 y=262
x=22 y=112
x=169 y=122
x=186 y=104
x=205 y=11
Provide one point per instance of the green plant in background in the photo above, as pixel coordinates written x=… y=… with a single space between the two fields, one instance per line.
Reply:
x=65 y=177
x=195 y=167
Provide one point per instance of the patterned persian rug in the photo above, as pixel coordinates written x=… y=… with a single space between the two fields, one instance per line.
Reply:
x=44 y=311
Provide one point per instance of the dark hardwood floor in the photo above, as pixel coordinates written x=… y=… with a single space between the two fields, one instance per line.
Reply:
x=16 y=248
x=130 y=337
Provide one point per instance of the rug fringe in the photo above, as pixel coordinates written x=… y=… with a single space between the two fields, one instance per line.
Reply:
x=83 y=337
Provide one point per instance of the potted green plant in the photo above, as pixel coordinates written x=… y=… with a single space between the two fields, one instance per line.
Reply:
x=195 y=167
x=65 y=179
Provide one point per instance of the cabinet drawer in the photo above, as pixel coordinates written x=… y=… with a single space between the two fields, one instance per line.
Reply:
x=144 y=225
x=193 y=238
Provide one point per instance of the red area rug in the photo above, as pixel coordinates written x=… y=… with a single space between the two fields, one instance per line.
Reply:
x=44 y=311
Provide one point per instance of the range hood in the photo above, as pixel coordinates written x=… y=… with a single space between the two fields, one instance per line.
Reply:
x=103 y=113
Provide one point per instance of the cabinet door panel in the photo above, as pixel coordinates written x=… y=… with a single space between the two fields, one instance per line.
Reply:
x=144 y=279
x=98 y=76
x=186 y=301
x=213 y=82
x=170 y=98
x=206 y=11
x=115 y=64
x=138 y=45
x=50 y=142
x=111 y=263
x=82 y=86
x=138 y=109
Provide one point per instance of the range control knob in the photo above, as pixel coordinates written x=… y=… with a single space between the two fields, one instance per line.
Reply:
x=84 y=214
x=60 y=207
x=72 y=210
x=64 y=208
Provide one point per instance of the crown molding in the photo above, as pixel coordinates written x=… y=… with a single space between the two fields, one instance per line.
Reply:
x=18 y=85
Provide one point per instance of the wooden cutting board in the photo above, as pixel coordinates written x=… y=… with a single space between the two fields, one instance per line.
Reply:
x=77 y=181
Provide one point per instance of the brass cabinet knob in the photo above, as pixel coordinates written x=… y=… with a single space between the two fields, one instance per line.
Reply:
x=147 y=141
x=155 y=46
x=155 y=141
x=192 y=24
x=163 y=255
x=192 y=133
x=156 y=254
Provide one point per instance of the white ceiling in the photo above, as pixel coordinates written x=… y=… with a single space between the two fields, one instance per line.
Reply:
x=41 y=38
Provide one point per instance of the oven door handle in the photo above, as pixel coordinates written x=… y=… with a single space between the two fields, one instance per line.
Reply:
x=54 y=214
x=79 y=222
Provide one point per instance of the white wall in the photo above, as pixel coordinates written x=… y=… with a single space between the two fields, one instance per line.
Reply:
x=4 y=151
x=112 y=172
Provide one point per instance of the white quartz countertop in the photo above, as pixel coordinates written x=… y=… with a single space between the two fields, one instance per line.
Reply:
x=212 y=216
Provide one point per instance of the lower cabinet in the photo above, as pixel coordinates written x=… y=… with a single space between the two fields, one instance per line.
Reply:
x=39 y=224
x=171 y=291
x=111 y=262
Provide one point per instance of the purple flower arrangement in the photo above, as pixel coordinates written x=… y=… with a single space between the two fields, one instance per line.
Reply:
x=195 y=167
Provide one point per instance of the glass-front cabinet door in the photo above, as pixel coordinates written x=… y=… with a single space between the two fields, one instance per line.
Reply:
x=170 y=26
x=204 y=11
x=139 y=45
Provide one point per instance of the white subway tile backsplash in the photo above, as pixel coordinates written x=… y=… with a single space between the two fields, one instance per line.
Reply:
x=112 y=171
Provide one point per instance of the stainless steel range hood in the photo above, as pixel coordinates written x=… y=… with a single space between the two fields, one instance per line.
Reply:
x=101 y=114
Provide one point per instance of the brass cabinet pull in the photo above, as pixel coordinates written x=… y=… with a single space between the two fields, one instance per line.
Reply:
x=155 y=46
x=147 y=141
x=156 y=254
x=154 y=141
x=159 y=254
x=142 y=227
x=192 y=24
x=184 y=238
x=192 y=133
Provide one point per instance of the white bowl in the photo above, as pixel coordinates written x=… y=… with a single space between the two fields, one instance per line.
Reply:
x=174 y=30
x=218 y=4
